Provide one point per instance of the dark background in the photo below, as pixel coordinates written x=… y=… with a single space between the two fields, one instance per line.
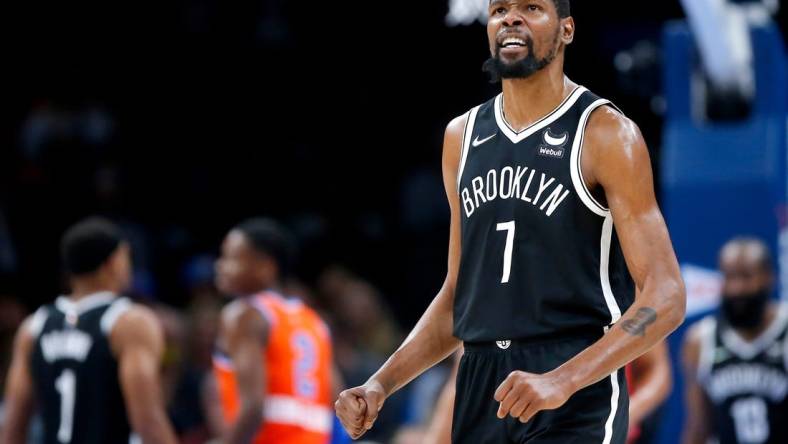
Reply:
x=327 y=115
x=180 y=119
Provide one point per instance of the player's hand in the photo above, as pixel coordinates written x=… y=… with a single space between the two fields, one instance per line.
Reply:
x=523 y=394
x=357 y=408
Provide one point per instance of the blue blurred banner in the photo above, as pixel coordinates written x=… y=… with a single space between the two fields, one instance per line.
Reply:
x=719 y=179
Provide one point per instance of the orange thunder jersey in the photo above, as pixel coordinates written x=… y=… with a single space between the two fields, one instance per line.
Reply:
x=297 y=359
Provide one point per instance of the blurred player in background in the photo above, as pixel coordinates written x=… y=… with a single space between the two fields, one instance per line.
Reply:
x=273 y=363
x=736 y=362
x=90 y=361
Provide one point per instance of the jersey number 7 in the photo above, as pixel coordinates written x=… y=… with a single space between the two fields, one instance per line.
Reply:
x=507 y=251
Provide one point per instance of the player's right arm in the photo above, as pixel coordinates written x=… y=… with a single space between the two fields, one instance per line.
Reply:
x=19 y=393
x=431 y=340
x=137 y=341
x=246 y=335
x=696 y=427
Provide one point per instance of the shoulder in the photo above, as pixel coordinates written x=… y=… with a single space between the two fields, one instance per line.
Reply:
x=697 y=334
x=128 y=323
x=127 y=315
x=452 y=142
x=30 y=329
x=455 y=130
x=615 y=154
x=700 y=330
x=610 y=132
x=456 y=126
x=240 y=317
x=34 y=323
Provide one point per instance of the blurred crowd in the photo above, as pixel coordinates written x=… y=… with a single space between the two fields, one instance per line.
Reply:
x=364 y=331
x=69 y=164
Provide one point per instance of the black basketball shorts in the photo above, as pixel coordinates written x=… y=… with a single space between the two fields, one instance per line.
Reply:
x=595 y=414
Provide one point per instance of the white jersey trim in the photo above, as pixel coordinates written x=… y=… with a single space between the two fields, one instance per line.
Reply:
x=575 y=168
x=289 y=410
x=613 y=405
x=604 y=272
x=267 y=314
x=37 y=322
x=86 y=303
x=467 y=134
x=554 y=115
x=113 y=313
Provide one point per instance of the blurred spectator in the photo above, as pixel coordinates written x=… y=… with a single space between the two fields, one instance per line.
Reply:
x=181 y=378
x=49 y=124
x=365 y=333
x=197 y=276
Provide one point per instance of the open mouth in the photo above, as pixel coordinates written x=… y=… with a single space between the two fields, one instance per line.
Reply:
x=512 y=42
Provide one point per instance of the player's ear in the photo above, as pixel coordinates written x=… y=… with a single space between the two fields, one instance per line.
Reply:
x=567 y=30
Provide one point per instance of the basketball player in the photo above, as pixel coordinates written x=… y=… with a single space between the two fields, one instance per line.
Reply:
x=553 y=206
x=273 y=360
x=736 y=362
x=89 y=361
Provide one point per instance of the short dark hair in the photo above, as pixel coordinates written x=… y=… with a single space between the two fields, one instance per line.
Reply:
x=270 y=238
x=765 y=260
x=87 y=245
x=562 y=6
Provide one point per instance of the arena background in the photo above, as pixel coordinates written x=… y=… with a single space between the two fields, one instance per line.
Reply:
x=179 y=119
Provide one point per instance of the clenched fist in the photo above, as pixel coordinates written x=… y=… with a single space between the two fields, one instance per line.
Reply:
x=523 y=394
x=357 y=408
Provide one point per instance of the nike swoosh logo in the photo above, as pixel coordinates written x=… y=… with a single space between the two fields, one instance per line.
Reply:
x=555 y=141
x=478 y=142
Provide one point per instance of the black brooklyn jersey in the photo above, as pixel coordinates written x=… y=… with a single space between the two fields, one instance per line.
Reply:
x=75 y=374
x=540 y=254
x=746 y=382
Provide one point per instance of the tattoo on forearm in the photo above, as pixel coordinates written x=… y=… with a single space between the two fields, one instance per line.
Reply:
x=636 y=326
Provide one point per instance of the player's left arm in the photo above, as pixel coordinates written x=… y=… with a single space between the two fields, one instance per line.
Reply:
x=137 y=341
x=616 y=160
x=19 y=394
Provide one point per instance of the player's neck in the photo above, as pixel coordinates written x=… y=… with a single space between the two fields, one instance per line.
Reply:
x=527 y=100
x=83 y=287
x=753 y=333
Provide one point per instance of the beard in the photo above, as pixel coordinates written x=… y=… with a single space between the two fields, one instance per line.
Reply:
x=497 y=69
x=745 y=311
